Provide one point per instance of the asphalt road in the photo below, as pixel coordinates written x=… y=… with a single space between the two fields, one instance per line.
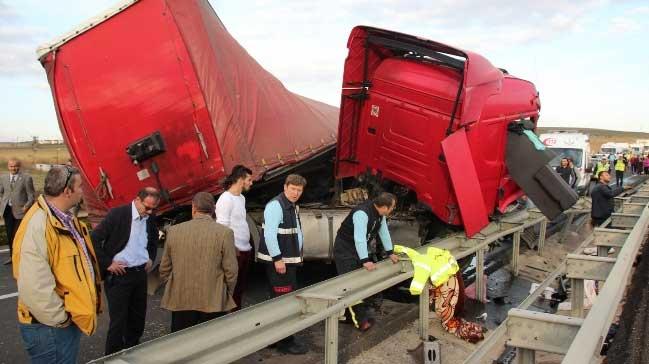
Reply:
x=157 y=320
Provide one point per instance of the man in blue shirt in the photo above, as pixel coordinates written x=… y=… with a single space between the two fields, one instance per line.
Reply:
x=281 y=247
x=364 y=223
x=126 y=243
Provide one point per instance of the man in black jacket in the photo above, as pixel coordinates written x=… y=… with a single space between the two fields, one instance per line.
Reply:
x=602 y=196
x=365 y=223
x=126 y=243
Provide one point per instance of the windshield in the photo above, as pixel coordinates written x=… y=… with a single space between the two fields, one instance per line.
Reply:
x=576 y=155
x=608 y=150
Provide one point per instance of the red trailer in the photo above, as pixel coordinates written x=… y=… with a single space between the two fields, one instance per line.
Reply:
x=157 y=92
x=433 y=119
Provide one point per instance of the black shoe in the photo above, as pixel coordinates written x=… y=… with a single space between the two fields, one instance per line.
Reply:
x=7 y=262
x=293 y=348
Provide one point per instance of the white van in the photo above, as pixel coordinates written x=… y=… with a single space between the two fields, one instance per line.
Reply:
x=571 y=144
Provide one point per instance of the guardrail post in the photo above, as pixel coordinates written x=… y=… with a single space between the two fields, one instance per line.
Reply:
x=479 y=275
x=543 y=228
x=516 y=252
x=566 y=227
x=424 y=311
x=602 y=251
x=577 y=298
x=526 y=356
x=331 y=335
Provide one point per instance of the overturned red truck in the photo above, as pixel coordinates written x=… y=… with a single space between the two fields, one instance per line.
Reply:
x=157 y=92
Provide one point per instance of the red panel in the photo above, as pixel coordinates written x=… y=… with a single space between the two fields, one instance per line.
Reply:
x=171 y=66
x=465 y=182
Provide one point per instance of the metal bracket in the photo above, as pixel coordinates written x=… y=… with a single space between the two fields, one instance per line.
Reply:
x=639 y=199
x=541 y=331
x=315 y=303
x=588 y=267
x=610 y=237
x=624 y=220
x=633 y=207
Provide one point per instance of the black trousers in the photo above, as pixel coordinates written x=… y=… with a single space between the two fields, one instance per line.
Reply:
x=619 y=178
x=181 y=320
x=11 y=224
x=126 y=296
x=281 y=284
x=359 y=312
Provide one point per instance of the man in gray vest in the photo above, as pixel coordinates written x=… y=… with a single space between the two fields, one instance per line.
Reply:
x=16 y=197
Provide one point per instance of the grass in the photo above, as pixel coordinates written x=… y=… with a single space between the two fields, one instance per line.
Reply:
x=46 y=154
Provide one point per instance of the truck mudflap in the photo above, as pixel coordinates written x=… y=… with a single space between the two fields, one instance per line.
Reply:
x=527 y=161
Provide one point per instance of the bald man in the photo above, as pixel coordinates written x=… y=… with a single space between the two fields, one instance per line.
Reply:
x=16 y=197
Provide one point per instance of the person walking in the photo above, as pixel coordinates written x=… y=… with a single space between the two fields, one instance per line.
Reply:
x=602 y=198
x=126 y=242
x=16 y=197
x=230 y=210
x=365 y=223
x=280 y=247
x=620 y=168
x=56 y=270
x=199 y=264
x=645 y=164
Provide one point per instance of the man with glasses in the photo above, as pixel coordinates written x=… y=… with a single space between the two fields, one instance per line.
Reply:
x=57 y=273
x=126 y=242
x=16 y=197
x=360 y=228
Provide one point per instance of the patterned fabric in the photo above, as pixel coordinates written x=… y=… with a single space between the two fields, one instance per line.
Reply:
x=67 y=220
x=449 y=301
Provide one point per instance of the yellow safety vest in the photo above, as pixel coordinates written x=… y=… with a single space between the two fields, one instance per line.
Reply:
x=601 y=167
x=619 y=165
x=438 y=265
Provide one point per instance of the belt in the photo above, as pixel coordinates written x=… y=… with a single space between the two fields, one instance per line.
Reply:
x=137 y=268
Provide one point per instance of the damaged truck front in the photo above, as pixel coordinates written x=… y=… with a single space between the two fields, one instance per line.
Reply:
x=443 y=128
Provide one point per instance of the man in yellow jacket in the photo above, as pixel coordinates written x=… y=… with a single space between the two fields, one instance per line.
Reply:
x=57 y=272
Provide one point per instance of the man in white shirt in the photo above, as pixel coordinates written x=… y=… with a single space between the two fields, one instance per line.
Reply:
x=230 y=211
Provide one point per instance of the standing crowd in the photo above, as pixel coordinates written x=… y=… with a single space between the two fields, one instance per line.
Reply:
x=61 y=266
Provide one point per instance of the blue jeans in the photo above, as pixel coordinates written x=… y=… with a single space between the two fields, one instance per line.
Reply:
x=46 y=344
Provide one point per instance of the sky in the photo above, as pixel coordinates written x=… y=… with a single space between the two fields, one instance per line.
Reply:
x=589 y=59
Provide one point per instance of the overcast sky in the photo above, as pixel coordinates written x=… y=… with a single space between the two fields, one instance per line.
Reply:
x=588 y=59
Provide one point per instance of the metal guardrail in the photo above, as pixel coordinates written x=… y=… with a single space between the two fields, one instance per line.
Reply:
x=242 y=333
x=578 y=338
x=236 y=335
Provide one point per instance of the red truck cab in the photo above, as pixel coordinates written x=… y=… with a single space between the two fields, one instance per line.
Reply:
x=433 y=119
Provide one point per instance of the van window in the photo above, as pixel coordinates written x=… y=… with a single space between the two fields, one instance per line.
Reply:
x=577 y=156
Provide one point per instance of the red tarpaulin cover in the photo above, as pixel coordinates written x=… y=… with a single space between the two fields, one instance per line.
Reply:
x=171 y=66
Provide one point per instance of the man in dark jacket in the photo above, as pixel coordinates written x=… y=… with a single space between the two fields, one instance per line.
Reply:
x=602 y=197
x=364 y=223
x=281 y=247
x=126 y=243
